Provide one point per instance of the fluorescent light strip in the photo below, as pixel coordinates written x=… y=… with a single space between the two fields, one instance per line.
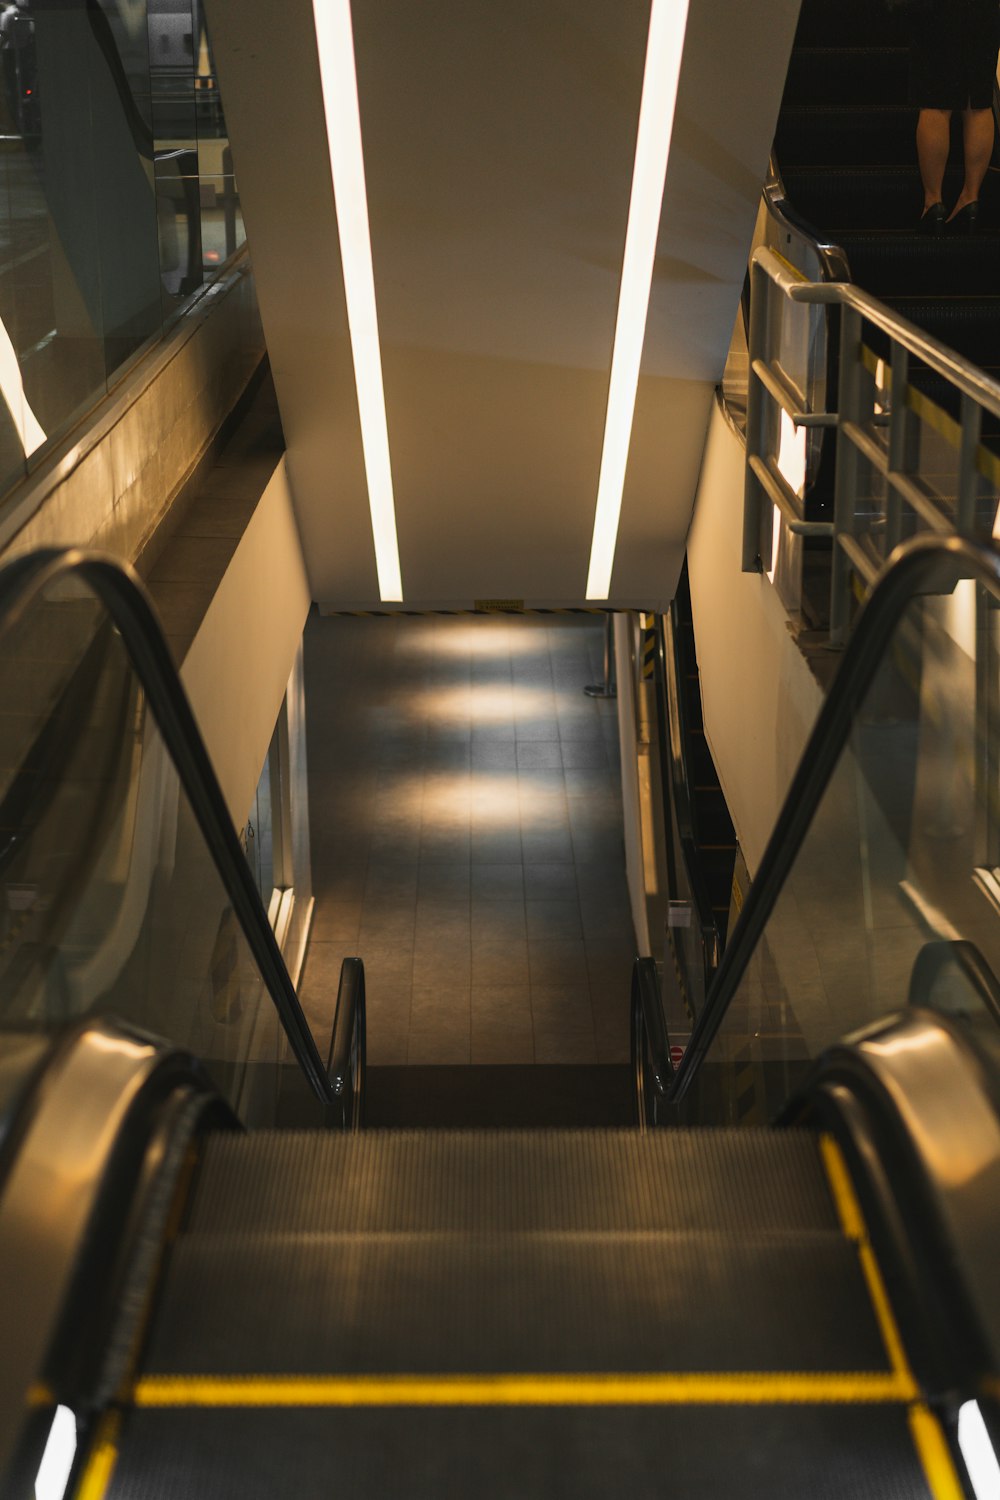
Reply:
x=29 y=429
x=664 y=50
x=335 y=41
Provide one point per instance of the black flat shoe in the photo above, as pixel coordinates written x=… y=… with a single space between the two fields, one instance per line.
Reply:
x=966 y=221
x=932 y=220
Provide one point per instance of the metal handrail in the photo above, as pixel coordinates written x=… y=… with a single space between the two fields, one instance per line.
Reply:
x=123 y=595
x=967 y=958
x=968 y=377
x=832 y=257
x=672 y=718
x=767 y=486
x=926 y=564
x=648 y=1034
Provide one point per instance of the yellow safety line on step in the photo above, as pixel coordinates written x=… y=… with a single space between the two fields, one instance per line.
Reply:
x=853 y=1225
x=925 y=1430
x=934 y=1454
x=685 y=1389
x=102 y=1460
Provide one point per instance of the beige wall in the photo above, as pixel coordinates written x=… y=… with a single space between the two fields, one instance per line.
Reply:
x=238 y=666
x=760 y=699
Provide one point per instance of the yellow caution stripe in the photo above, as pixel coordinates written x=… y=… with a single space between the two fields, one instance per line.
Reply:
x=752 y=1388
x=934 y=1454
x=102 y=1460
x=854 y=1227
x=925 y=1429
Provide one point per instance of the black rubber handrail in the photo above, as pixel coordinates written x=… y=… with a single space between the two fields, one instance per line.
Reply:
x=346 y=1067
x=965 y=956
x=647 y=1010
x=926 y=564
x=672 y=714
x=123 y=595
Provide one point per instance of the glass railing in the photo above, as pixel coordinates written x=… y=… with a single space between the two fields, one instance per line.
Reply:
x=123 y=888
x=888 y=847
x=117 y=200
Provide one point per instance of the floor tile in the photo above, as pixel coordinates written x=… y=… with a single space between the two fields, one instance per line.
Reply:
x=497 y=882
x=488 y=905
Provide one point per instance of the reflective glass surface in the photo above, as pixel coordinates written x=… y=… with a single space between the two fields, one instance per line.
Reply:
x=114 y=167
x=896 y=867
x=110 y=901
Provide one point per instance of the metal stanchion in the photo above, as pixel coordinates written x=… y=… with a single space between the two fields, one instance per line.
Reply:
x=608 y=688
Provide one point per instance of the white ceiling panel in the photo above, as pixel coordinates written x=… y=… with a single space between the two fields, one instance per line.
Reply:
x=499 y=141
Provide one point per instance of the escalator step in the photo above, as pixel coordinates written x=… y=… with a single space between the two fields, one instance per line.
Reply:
x=863 y=134
x=568 y=1453
x=445 y=1304
x=847 y=75
x=916 y=265
x=969 y=325
x=474 y=1181
x=844 y=200
x=843 y=23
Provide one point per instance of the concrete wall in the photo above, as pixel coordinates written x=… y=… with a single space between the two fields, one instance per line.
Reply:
x=111 y=484
x=759 y=697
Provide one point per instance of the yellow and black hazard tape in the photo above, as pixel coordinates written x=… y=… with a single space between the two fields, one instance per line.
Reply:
x=648 y=646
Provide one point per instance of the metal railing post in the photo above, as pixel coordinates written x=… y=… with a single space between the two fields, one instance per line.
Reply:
x=608 y=688
x=847 y=472
x=968 y=466
x=756 y=504
x=900 y=444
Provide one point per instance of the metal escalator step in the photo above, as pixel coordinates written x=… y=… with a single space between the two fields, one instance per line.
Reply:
x=847 y=75
x=527 y=1303
x=845 y=200
x=969 y=325
x=838 y=135
x=739 y=1181
x=849 y=23
x=917 y=265
x=567 y=1453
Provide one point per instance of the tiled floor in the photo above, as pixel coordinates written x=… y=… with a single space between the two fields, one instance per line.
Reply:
x=467 y=838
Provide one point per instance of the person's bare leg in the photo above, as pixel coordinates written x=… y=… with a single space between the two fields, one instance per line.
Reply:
x=977 y=131
x=933 y=141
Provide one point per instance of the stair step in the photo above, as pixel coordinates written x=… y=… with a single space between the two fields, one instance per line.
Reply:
x=842 y=23
x=480 y=1181
x=554 y=1303
x=847 y=75
x=917 y=265
x=839 y=136
x=843 y=200
x=969 y=325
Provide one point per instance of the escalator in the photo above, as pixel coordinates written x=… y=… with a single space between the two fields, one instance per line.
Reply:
x=846 y=153
x=193 y=1308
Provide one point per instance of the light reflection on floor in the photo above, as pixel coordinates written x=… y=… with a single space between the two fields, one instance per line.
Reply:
x=467 y=838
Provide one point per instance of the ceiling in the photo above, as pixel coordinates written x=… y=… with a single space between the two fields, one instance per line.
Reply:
x=499 y=139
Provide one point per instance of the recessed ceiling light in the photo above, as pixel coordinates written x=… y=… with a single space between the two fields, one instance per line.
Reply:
x=664 y=50
x=335 y=42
